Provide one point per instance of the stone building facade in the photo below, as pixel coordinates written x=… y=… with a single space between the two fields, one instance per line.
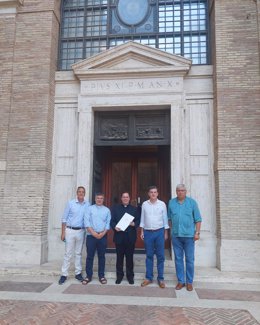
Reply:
x=48 y=130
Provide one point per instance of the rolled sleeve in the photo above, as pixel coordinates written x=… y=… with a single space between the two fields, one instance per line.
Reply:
x=165 y=218
x=87 y=218
x=196 y=213
x=142 y=217
x=65 y=215
x=108 y=220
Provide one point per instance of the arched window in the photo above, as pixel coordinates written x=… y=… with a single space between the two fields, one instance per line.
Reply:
x=91 y=26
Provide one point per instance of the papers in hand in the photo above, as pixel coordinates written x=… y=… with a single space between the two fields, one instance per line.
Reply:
x=125 y=221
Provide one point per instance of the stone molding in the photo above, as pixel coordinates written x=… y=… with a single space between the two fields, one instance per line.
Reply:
x=132 y=60
x=9 y=6
x=11 y=2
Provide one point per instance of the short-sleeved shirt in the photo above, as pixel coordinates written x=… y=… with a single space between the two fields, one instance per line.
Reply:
x=183 y=217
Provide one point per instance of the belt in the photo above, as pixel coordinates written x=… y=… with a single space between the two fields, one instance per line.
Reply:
x=74 y=228
x=153 y=229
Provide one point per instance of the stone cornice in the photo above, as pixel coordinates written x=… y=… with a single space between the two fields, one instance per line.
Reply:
x=9 y=6
x=11 y=3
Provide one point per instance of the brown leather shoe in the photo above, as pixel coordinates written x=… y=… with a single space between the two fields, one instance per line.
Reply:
x=189 y=287
x=179 y=286
x=161 y=284
x=146 y=283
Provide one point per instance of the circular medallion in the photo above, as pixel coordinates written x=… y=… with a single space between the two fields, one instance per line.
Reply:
x=132 y=12
x=148 y=26
x=117 y=28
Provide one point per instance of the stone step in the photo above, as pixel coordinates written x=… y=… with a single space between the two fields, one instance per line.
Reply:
x=202 y=274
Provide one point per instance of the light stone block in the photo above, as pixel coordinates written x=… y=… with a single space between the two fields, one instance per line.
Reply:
x=239 y=255
x=23 y=250
x=199 y=165
x=199 y=124
x=2 y=165
x=205 y=250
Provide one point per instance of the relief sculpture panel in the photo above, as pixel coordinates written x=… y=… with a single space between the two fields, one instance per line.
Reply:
x=113 y=129
x=149 y=132
x=132 y=128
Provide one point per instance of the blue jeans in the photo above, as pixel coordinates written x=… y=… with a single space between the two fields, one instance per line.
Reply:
x=181 y=246
x=100 y=245
x=154 y=244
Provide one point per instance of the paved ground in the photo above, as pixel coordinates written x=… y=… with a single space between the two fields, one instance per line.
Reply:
x=27 y=300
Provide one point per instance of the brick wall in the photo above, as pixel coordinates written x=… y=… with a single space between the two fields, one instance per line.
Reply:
x=235 y=56
x=7 y=37
x=30 y=41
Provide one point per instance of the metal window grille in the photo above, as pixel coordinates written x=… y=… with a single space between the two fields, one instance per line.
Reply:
x=89 y=27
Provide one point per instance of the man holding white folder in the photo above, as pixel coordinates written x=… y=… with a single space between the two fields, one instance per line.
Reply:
x=124 y=237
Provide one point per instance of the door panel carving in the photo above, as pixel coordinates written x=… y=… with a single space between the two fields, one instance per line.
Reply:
x=132 y=128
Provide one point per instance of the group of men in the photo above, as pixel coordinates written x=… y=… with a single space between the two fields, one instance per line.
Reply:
x=183 y=218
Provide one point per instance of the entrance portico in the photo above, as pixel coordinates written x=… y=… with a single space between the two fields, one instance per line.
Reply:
x=134 y=77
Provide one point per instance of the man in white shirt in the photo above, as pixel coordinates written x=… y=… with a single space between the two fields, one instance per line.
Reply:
x=154 y=225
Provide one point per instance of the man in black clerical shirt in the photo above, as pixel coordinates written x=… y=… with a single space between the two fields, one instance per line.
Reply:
x=124 y=240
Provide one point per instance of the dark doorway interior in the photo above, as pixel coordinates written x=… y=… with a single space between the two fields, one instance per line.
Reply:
x=133 y=169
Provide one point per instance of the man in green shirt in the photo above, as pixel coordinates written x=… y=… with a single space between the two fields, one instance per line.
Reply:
x=185 y=219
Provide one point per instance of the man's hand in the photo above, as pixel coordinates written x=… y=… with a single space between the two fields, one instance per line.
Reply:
x=142 y=235
x=101 y=234
x=196 y=236
x=62 y=237
x=98 y=235
x=117 y=229
x=132 y=224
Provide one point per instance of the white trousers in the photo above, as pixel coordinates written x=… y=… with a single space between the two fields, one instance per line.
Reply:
x=73 y=247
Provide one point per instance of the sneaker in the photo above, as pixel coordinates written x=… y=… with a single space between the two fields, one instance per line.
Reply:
x=62 y=279
x=79 y=277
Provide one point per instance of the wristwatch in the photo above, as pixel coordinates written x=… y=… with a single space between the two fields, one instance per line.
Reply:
x=197 y=233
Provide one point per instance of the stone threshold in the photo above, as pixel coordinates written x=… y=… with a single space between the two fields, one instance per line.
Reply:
x=202 y=274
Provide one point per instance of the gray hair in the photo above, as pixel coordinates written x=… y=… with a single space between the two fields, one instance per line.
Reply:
x=181 y=186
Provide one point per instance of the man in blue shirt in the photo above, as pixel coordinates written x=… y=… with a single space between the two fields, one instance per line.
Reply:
x=185 y=219
x=73 y=232
x=97 y=222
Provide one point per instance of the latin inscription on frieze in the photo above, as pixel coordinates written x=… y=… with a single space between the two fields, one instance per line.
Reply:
x=128 y=85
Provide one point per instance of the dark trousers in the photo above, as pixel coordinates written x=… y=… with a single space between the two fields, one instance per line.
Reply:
x=100 y=245
x=125 y=249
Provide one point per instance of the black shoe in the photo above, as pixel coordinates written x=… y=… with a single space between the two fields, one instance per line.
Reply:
x=118 y=281
x=62 y=279
x=131 y=281
x=79 y=277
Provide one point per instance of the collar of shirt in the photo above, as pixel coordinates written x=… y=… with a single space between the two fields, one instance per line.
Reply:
x=182 y=202
x=149 y=201
x=77 y=201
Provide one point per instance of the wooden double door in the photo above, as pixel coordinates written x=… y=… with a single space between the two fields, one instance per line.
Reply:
x=133 y=170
